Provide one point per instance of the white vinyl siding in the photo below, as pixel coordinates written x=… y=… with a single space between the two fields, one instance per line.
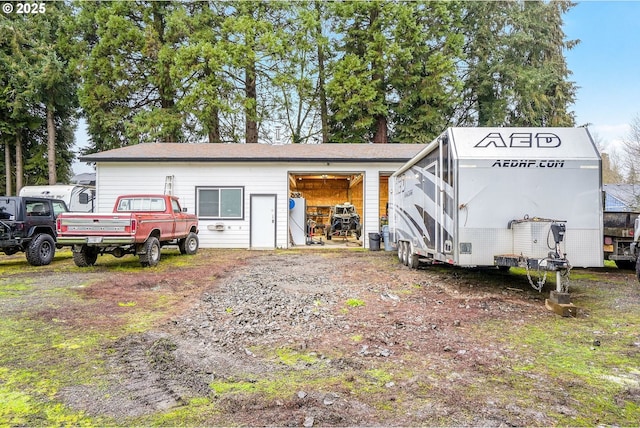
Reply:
x=272 y=178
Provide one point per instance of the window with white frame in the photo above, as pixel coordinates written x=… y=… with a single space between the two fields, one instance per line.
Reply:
x=220 y=202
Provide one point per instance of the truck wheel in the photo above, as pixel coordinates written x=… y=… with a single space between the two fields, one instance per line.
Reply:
x=638 y=268
x=151 y=255
x=189 y=245
x=41 y=250
x=86 y=257
x=400 y=245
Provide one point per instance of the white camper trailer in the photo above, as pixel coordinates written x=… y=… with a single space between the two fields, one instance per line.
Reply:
x=503 y=197
x=79 y=198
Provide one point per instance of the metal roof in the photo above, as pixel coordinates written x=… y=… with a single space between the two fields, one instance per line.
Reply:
x=621 y=197
x=206 y=152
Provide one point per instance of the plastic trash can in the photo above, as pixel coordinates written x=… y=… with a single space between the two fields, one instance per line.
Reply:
x=386 y=238
x=374 y=241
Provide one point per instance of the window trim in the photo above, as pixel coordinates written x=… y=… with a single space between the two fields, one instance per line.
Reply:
x=242 y=202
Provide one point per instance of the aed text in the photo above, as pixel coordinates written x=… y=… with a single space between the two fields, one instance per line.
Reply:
x=528 y=163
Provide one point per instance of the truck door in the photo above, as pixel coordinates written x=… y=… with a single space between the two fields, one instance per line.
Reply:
x=179 y=222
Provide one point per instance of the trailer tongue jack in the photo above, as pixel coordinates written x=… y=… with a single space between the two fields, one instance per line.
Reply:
x=528 y=234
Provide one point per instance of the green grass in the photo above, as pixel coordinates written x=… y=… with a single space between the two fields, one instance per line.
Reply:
x=550 y=363
x=42 y=353
x=354 y=303
x=588 y=364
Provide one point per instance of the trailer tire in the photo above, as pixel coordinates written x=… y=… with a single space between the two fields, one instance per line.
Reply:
x=406 y=248
x=86 y=257
x=151 y=249
x=41 y=250
x=638 y=268
x=399 y=248
x=414 y=261
x=189 y=245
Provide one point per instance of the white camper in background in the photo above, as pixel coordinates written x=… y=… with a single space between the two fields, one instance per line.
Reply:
x=503 y=197
x=79 y=198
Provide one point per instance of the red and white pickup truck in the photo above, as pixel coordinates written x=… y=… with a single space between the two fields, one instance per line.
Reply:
x=139 y=224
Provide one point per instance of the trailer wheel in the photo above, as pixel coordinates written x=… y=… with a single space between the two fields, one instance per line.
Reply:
x=406 y=249
x=402 y=248
x=638 y=268
x=189 y=245
x=414 y=261
x=151 y=256
x=86 y=257
x=41 y=250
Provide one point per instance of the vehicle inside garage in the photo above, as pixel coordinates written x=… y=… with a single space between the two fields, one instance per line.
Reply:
x=328 y=208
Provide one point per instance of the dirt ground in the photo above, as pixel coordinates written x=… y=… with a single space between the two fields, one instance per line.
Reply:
x=315 y=338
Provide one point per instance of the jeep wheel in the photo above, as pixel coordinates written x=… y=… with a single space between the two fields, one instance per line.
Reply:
x=189 y=245
x=151 y=249
x=41 y=250
x=86 y=257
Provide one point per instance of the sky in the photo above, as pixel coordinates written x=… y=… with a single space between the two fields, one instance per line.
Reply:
x=605 y=66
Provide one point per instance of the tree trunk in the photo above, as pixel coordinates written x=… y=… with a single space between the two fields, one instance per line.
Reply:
x=7 y=168
x=19 y=172
x=214 y=127
x=166 y=90
x=324 y=113
x=51 y=145
x=381 y=135
x=251 y=103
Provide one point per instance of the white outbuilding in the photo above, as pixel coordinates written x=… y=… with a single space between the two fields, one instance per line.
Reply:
x=244 y=194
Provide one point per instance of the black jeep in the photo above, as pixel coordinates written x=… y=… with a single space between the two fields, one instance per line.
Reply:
x=29 y=225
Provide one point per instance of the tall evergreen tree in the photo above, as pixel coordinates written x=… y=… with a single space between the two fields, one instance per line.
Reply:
x=542 y=92
x=199 y=63
x=298 y=75
x=236 y=71
x=424 y=79
x=515 y=72
x=128 y=93
x=254 y=38
x=38 y=99
x=357 y=90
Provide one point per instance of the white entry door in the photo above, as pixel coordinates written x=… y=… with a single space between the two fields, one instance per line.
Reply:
x=263 y=222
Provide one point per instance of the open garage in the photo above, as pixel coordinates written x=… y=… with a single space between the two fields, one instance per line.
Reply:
x=333 y=204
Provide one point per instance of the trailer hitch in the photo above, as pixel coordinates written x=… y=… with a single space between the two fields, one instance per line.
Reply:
x=558 y=231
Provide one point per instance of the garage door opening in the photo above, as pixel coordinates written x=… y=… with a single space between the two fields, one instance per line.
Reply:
x=326 y=209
